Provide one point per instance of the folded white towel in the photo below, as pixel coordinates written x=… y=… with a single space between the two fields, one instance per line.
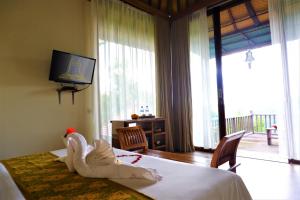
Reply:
x=102 y=154
x=70 y=156
x=101 y=161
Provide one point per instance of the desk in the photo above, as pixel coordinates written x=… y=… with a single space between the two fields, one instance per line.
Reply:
x=154 y=128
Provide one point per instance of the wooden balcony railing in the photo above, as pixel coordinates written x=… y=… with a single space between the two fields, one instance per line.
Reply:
x=235 y=124
x=263 y=121
x=256 y=123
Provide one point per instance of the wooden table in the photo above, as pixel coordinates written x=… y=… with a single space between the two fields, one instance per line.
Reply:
x=154 y=128
x=271 y=134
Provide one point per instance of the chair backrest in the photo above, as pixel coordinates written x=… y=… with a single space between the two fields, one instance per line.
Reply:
x=226 y=150
x=132 y=138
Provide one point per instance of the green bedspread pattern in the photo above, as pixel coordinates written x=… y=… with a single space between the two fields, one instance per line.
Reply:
x=40 y=176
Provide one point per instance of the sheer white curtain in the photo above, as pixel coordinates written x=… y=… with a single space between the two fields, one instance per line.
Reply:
x=126 y=61
x=203 y=79
x=91 y=97
x=285 y=30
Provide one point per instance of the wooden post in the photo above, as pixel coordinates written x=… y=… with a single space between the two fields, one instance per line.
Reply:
x=218 y=54
x=252 y=122
x=233 y=124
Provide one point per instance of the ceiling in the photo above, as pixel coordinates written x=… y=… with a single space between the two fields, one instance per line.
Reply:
x=171 y=7
x=243 y=26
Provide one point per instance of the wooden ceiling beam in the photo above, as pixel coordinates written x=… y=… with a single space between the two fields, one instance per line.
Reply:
x=155 y=3
x=147 y=8
x=244 y=30
x=182 y=4
x=147 y=1
x=174 y=7
x=236 y=29
x=240 y=20
x=164 y=5
x=232 y=19
x=252 y=13
x=196 y=6
x=190 y=2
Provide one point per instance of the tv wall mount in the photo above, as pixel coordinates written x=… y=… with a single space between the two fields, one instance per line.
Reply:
x=66 y=88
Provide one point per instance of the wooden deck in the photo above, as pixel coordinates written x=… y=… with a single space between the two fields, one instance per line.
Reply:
x=258 y=143
x=256 y=146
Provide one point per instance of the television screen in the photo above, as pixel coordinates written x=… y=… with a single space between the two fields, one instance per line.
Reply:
x=71 y=68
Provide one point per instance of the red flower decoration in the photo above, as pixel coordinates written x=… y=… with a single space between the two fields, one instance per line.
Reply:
x=135 y=161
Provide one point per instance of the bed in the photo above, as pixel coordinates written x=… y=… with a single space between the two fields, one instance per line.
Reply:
x=180 y=181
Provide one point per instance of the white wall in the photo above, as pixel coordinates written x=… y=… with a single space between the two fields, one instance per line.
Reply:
x=31 y=120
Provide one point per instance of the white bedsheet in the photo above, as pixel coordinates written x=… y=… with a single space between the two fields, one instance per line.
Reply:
x=180 y=181
x=8 y=188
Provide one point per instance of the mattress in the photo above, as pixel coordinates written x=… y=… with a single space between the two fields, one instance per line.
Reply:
x=179 y=181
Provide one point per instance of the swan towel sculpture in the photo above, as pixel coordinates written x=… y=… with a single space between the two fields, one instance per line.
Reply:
x=100 y=161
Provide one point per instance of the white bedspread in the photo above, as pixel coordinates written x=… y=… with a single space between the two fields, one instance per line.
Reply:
x=8 y=188
x=180 y=181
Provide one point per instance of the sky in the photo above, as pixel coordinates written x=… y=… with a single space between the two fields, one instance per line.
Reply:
x=257 y=89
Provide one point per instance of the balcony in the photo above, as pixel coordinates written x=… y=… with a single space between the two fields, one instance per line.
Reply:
x=256 y=123
x=254 y=143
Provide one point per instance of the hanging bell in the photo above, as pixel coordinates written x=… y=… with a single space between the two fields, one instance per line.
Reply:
x=249 y=58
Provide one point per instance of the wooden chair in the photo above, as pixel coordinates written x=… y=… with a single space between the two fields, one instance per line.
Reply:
x=132 y=138
x=226 y=151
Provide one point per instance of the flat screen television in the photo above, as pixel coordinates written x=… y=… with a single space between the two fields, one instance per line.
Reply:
x=71 y=68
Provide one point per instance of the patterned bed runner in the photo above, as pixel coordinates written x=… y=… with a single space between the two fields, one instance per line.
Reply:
x=39 y=176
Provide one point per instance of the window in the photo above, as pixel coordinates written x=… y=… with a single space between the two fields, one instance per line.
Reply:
x=126 y=62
